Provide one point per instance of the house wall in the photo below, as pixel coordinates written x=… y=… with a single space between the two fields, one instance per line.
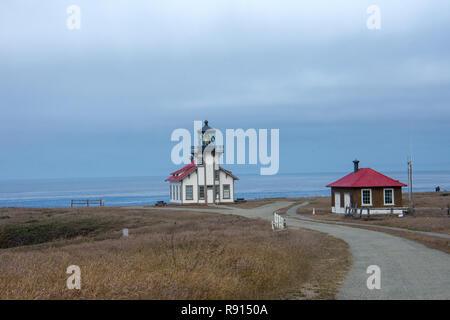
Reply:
x=190 y=180
x=226 y=179
x=356 y=197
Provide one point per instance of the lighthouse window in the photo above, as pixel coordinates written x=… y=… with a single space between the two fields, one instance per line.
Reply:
x=202 y=192
x=189 y=193
x=226 y=191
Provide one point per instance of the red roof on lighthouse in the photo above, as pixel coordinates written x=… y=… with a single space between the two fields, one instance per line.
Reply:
x=188 y=169
x=366 y=177
x=183 y=172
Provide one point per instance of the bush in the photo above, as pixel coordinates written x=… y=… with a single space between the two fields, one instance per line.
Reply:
x=40 y=231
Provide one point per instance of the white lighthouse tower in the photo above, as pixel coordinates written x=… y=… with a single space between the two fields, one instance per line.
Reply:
x=203 y=180
x=206 y=157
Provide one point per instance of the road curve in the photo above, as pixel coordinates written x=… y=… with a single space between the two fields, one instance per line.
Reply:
x=409 y=270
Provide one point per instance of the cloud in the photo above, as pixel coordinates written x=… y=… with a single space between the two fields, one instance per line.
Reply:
x=144 y=67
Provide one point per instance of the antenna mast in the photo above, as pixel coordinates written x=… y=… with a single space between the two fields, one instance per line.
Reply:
x=410 y=181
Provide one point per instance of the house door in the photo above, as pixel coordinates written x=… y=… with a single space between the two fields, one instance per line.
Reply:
x=210 y=194
x=347 y=200
x=337 y=200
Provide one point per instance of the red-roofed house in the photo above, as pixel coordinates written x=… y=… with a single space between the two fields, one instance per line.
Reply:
x=366 y=188
x=203 y=180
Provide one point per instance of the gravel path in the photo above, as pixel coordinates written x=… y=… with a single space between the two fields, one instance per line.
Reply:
x=409 y=270
x=265 y=211
x=292 y=213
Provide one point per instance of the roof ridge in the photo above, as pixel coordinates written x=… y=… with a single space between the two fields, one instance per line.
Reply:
x=366 y=177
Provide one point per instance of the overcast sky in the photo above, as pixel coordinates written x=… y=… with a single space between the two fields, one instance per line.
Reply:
x=103 y=100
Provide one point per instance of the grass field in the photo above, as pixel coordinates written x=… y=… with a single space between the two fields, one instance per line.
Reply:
x=168 y=255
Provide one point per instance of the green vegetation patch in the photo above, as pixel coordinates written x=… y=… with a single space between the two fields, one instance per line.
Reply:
x=46 y=230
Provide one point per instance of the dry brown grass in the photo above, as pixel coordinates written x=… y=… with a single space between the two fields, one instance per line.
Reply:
x=168 y=255
x=429 y=199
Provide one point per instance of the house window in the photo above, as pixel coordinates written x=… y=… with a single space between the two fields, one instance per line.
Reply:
x=388 y=196
x=176 y=192
x=217 y=192
x=226 y=191
x=202 y=192
x=217 y=175
x=366 y=195
x=171 y=192
x=189 y=193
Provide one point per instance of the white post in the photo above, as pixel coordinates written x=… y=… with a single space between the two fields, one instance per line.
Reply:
x=125 y=232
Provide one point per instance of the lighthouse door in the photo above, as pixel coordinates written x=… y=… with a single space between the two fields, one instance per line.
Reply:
x=210 y=194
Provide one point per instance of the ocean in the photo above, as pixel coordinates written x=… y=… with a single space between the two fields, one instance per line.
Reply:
x=147 y=190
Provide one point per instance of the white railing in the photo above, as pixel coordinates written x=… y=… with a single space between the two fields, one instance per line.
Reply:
x=198 y=149
x=279 y=222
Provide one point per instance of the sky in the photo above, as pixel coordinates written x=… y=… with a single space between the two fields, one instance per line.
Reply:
x=103 y=100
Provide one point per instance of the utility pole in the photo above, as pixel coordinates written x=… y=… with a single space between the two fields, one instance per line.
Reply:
x=410 y=181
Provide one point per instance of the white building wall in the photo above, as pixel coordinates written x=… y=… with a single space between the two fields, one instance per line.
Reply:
x=226 y=179
x=201 y=175
x=191 y=180
x=209 y=168
x=197 y=179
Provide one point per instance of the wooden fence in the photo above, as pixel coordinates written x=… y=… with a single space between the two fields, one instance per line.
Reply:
x=278 y=222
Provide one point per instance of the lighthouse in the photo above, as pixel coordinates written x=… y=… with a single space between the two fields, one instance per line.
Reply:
x=203 y=181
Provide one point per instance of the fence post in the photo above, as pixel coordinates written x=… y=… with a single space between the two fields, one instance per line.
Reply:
x=448 y=210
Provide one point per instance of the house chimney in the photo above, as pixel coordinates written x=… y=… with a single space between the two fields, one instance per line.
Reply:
x=355 y=165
